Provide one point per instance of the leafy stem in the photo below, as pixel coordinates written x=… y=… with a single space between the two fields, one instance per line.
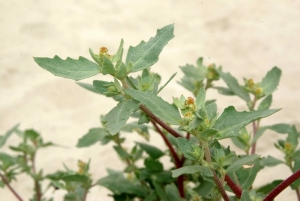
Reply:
x=283 y=185
x=6 y=182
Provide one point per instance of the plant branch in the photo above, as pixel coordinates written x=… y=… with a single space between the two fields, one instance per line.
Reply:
x=159 y=121
x=235 y=188
x=283 y=185
x=216 y=178
x=36 y=180
x=10 y=188
x=178 y=162
x=254 y=126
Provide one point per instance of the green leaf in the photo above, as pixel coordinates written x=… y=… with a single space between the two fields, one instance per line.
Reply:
x=95 y=57
x=75 y=178
x=244 y=160
x=146 y=54
x=69 y=68
x=119 y=115
x=88 y=87
x=101 y=86
x=162 y=109
x=265 y=103
x=108 y=67
x=266 y=189
x=160 y=191
x=191 y=170
x=270 y=82
x=234 y=86
x=230 y=122
x=258 y=134
x=118 y=184
x=4 y=137
x=200 y=99
x=293 y=137
x=153 y=165
x=245 y=196
x=94 y=135
x=270 y=161
x=154 y=152
x=172 y=192
x=189 y=149
x=121 y=152
x=280 y=128
x=118 y=56
x=224 y=91
x=162 y=87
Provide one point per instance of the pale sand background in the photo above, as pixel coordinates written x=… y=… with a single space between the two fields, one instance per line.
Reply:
x=246 y=37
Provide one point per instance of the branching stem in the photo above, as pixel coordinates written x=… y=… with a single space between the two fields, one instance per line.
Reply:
x=10 y=188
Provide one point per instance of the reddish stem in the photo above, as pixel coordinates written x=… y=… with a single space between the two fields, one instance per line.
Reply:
x=160 y=122
x=283 y=185
x=178 y=162
x=235 y=188
x=10 y=188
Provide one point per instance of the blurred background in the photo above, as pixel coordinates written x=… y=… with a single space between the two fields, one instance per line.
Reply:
x=247 y=38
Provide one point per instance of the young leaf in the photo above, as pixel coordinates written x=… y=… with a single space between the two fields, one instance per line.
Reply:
x=146 y=54
x=121 y=152
x=265 y=103
x=119 y=115
x=189 y=149
x=118 y=56
x=191 y=170
x=157 y=105
x=234 y=86
x=108 y=67
x=94 y=135
x=161 y=88
x=240 y=162
x=270 y=161
x=200 y=99
x=4 y=137
x=230 y=122
x=88 y=87
x=293 y=137
x=270 y=82
x=69 y=68
x=245 y=196
x=280 y=128
x=154 y=152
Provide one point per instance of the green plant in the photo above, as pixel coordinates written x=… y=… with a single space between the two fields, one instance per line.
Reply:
x=203 y=168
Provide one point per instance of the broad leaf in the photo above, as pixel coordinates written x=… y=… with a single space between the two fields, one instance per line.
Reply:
x=234 y=86
x=200 y=99
x=230 y=122
x=162 y=109
x=118 y=116
x=154 y=152
x=191 y=170
x=146 y=54
x=270 y=82
x=69 y=68
x=244 y=160
x=94 y=135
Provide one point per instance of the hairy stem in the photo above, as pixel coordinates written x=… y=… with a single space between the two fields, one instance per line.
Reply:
x=283 y=185
x=5 y=181
x=178 y=162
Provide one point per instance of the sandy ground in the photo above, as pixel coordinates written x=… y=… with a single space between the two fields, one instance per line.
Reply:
x=246 y=37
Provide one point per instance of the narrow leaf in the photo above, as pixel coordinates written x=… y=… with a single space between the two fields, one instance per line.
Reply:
x=230 y=122
x=172 y=192
x=69 y=68
x=4 y=137
x=191 y=170
x=162 y=109
x=154 y=152
x=200 y=99
x=119 y=115
x=94 y=135
x=88 y=87
x=270 y=82
x=245 y=160
x=146 y=54
x=270 y=161
x=118 y=56
x=162 y=87
x=265 y=103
